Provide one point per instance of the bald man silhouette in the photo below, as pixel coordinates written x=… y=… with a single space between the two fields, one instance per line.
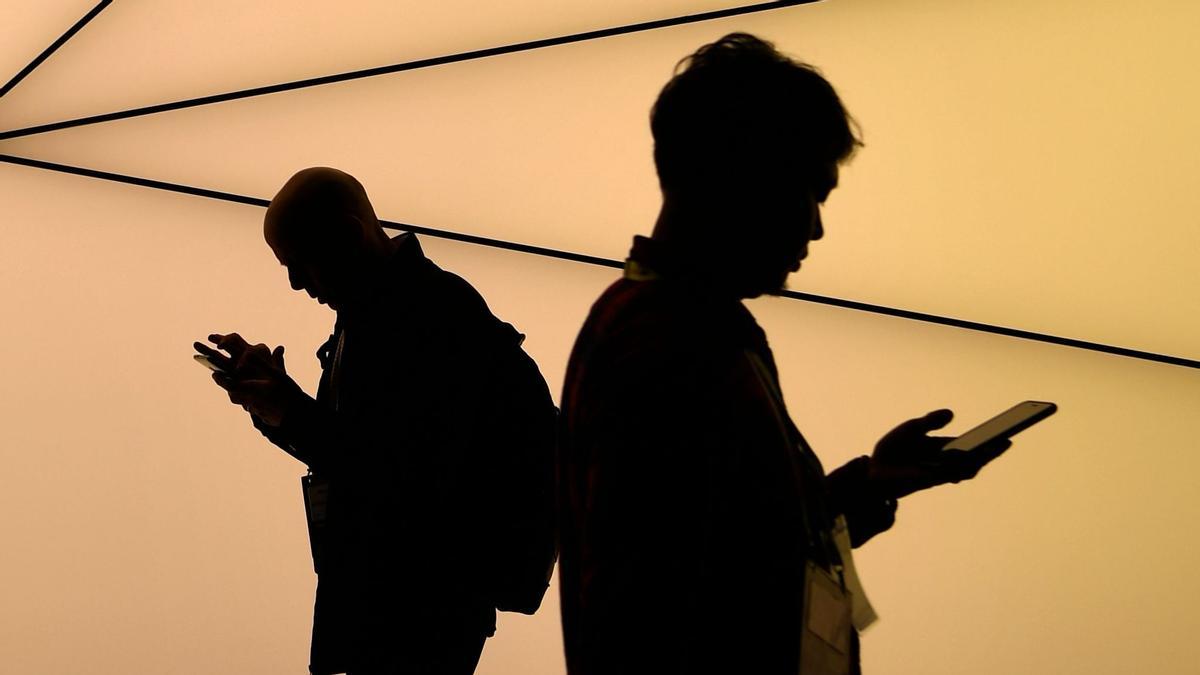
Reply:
x=412 y=384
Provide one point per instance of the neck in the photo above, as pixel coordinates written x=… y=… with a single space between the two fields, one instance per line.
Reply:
x=706 y=238
x=691 y=231
x=694 y=240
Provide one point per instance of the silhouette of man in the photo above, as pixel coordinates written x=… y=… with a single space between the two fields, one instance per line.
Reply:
x=700 y=534
x=417 y=377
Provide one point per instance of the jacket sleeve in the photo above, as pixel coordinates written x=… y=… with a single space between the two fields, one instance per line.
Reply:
x=849 y=494
x=407 y=417
x=307 y=433
x=273 y=434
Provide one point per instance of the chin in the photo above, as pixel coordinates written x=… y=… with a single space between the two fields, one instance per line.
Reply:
x=777 y=285
x=762 y=279
x=763 y=289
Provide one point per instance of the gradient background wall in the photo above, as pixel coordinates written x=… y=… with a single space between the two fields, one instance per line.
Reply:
x=1028 y=164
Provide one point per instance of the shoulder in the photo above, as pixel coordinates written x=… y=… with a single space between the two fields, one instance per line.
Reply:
x=648 y=315
x=419 y=296
x=656 y=337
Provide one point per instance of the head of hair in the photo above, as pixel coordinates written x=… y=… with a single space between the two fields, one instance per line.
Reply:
x=738 y=110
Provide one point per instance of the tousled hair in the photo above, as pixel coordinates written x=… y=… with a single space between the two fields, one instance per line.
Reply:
x=738 y=108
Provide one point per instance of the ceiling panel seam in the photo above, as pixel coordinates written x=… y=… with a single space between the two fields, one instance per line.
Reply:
x=62 y=40
x=616 y=264
x=402 y=67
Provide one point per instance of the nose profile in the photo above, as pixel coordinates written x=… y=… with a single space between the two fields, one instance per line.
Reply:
x=818 y=228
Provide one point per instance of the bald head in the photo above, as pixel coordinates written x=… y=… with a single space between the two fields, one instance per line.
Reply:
x=322 y=227
x=316 y=206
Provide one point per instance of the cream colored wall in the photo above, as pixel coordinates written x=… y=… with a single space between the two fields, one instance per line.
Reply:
x=27 y=27
x=143 y=53
x=1028 y=163
x=1009 y=177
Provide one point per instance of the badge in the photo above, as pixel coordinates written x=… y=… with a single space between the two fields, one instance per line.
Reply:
x=825 y=631
x=861 y=610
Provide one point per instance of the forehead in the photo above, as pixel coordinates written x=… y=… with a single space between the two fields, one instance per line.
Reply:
x=821 y=179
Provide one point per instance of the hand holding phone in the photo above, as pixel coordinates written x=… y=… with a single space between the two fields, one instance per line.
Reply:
x=910 y=459
x=254 y=376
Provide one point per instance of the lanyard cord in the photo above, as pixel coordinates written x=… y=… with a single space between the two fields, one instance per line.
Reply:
x=818 y=536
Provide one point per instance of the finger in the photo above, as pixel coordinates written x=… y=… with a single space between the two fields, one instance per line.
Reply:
x=936 y=419
x=254 y=357
x=207 y=351
x=252 y=353
x=217 y=358
x=224 y=381
x=233 y=343
x=920 y=426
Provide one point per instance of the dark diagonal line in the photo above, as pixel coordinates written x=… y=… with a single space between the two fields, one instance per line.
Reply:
x=133 y=180
x=608 y=262
x=400 y=67
x=996 y=330
x=54 y=47
x=256 y=201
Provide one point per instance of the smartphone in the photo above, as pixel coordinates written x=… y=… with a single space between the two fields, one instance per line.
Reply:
x=1017 y=418
x=207 y=362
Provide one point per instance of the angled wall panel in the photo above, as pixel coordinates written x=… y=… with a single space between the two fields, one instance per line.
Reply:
x=1026 y=165
x=144 y=53
x=27 y=27
x=156 y=531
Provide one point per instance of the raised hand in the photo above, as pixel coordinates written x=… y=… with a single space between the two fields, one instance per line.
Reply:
x=255 y=378
x=907 y=459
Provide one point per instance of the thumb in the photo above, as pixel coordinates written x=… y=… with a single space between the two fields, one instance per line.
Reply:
x=935 y=420
x=277 y=356
x=914 y=428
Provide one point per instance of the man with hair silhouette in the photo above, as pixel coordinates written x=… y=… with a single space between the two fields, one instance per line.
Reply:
x=422 y=388
x=699 y=532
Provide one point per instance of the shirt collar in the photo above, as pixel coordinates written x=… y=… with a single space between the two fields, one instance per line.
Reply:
x=394 y=286
x=651 y=260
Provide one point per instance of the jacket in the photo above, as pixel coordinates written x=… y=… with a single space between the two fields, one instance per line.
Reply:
x=690 y=502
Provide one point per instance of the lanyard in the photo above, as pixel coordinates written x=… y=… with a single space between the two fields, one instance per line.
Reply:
x=818 y=533
x=330 y=356
x=335 y=369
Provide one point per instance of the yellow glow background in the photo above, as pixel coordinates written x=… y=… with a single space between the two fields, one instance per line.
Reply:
x=1029 y=164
